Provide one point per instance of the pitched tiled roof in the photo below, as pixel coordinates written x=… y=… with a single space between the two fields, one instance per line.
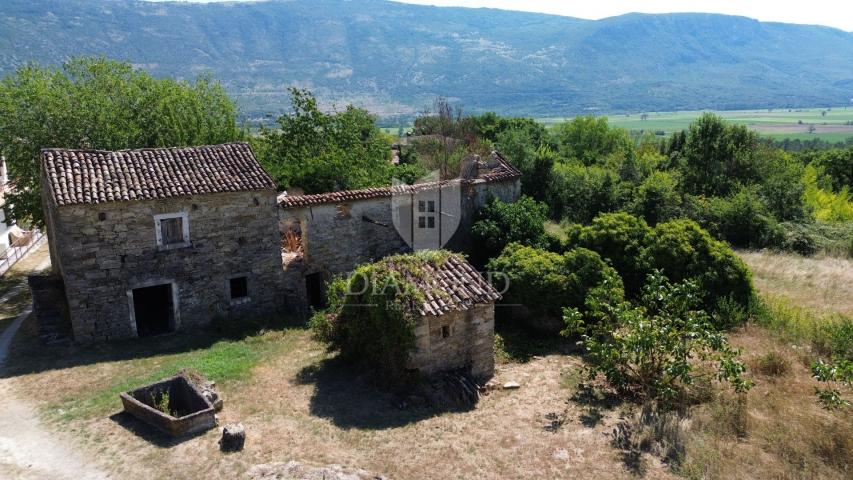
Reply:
x=448 y=284
x=501 y=172
x=93 y=176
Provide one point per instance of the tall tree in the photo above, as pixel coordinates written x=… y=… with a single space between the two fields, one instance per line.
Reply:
x=95 y=103
x=322 y=152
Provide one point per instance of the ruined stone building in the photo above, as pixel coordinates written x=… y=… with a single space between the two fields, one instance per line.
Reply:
x=156 y=240
x=455 y=327
x=149 y=241
x=331 y=233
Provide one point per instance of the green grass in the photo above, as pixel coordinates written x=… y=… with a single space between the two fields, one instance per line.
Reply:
x=228 y=362
x=829 y=334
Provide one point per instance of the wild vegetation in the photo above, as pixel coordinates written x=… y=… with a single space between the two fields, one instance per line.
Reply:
x=94 y=103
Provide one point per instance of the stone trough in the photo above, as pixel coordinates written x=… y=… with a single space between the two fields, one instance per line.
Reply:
x=188 y=410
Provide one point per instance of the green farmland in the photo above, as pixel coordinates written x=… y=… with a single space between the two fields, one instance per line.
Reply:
x=835 y=125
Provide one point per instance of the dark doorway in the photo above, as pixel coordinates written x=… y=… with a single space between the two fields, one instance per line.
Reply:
x=153 y=310
x=315 y=285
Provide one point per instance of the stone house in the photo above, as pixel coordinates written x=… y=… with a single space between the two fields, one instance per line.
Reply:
x=455 y=326
x=156 y=240
x=334 y=232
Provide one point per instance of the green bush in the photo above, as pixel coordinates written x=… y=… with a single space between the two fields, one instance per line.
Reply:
x=743 y=221
x=619 y=238
x=685 y=251
x=544 y=282
x=657 y=198
x=500 y=224
x=650 y=349
x=579 y=193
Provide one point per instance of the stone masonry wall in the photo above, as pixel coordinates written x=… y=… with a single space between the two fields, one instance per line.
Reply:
x=103 y=251
x=469 y=345
x=338 y=237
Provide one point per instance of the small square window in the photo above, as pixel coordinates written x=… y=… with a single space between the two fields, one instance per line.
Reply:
x=421 y=206
x=430 y=222
x=445 y=331
x=421 y=222
x=239 y=288
x=431 y=206
x=172 y=230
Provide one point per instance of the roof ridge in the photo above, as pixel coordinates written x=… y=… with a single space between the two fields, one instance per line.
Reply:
x=141 y=149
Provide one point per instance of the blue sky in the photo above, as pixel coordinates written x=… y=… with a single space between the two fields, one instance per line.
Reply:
x=834 y=13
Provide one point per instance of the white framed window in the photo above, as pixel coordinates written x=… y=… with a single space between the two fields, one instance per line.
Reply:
x=173 y=230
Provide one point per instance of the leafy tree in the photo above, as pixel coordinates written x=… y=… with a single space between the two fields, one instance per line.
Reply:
x=682 y=250
x=500 y=224
x=836 y=163
x=654 y=349
x=579 y=193
x=589 y=139
x=543 y=282
x=95 y=103
x=743 y=220
x=657 y=198
x=535 y=160
x=620 y=239
x=717 y=155
x=781 y=188
x=322 y=152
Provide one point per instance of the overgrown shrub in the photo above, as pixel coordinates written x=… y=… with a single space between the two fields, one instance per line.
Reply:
x=579 y=193
x=685 y=251
x=651 y=349
x=501 y=223
x=657 y=198
x=620 y=239
x=370 y=319
x=743 y=221
x=544 y=282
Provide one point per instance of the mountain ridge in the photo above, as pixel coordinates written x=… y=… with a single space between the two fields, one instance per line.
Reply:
x=394 y=57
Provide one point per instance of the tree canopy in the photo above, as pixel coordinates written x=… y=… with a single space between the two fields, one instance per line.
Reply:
x=95 y=103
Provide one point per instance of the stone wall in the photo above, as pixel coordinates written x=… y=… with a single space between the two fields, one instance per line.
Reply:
x=104 y=251
x=337 y=237
x=469 y=343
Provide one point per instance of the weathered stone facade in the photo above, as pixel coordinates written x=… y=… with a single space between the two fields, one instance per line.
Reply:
x=339 y=235
x=457 y=339
x=105 y=251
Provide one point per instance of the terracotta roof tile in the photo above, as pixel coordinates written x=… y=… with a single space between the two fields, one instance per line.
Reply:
x=501 y=172
x=94 y=176
x=451 y=285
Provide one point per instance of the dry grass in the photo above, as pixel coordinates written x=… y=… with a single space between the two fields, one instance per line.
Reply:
x=301 y=404
x=822 y=284
x=778 y=430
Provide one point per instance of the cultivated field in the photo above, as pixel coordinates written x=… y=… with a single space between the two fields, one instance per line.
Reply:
x=835 y=126
x=773 y=123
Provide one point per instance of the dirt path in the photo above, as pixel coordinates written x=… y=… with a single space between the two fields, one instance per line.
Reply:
x=28 y=451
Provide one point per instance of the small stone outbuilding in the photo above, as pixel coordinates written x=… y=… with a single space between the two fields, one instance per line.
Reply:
x=156 y=240
x=455 y=326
